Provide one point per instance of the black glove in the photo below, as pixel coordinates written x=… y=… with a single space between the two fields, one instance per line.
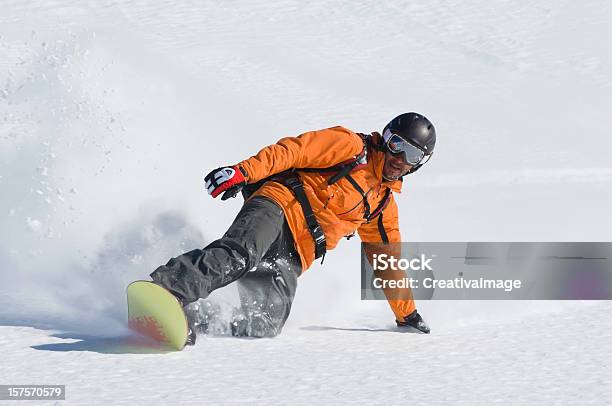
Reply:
x=229 y=179
x=414 y=320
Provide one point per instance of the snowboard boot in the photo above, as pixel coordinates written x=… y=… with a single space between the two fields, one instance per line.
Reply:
x=191 y=336
x=191 y=324
x=208 y=318
x=254 y=323
x=415 y=321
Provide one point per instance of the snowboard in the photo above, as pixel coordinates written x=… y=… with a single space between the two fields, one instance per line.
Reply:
x=157 y=314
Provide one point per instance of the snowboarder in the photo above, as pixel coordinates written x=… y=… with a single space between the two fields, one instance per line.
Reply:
x=302 y=195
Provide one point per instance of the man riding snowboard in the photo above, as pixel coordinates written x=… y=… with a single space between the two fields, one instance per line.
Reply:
x=303 y=194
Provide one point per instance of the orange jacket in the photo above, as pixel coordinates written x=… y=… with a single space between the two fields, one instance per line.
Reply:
x=338 y=207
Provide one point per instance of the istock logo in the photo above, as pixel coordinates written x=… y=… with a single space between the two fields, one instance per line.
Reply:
x=383 y=262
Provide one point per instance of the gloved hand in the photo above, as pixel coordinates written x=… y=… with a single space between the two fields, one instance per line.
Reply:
x=414 y=320
x=228 y=179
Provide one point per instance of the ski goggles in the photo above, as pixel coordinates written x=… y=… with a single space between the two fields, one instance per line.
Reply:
x=412 y=155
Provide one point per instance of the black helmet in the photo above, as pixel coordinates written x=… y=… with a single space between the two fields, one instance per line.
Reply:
x=417 y=130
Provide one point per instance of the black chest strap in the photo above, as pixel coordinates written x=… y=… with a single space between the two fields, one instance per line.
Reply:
x=363 y=194
x=369 y=215
x=381 y=206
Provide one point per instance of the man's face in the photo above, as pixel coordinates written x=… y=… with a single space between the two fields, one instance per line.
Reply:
x=395 y=166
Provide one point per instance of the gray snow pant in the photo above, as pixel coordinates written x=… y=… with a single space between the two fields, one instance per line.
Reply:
x=257 y=251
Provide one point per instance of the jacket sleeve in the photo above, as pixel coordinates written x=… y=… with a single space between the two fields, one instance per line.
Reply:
x=314 y=149
x=382 y=236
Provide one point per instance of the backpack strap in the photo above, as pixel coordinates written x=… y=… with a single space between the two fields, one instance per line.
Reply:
x=292 y=180
x=363 y=194
x=384 y=202
x=381 y=229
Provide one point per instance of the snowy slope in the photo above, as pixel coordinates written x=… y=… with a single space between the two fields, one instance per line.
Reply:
x=545 y=359
x=111 y=112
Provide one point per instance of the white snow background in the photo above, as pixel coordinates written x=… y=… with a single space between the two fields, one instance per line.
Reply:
x=111 y=113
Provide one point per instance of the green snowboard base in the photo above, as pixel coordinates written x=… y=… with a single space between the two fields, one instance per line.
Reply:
x=156 y=313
